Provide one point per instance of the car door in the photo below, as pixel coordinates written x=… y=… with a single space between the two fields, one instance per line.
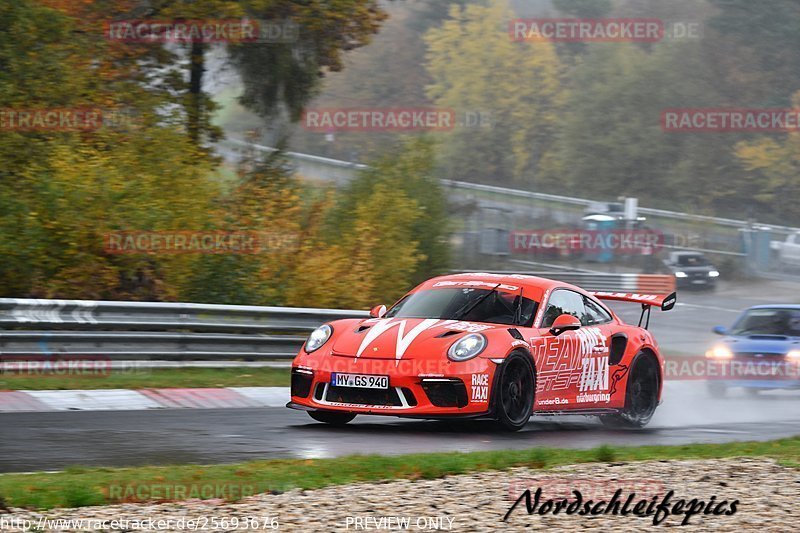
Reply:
x=572 y=367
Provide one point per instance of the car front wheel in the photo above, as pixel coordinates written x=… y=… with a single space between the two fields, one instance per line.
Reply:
x=513 y=399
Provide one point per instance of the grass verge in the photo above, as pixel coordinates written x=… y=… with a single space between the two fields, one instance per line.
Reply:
x=78 y=487
x=144 y=378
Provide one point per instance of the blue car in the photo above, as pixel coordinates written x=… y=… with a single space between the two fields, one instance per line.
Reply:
x=761 y=351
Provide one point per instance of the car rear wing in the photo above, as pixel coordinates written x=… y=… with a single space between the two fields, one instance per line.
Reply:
x=647 y=301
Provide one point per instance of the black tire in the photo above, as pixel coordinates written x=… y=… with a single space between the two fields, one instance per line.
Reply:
x=716 y=389
x=332 y=417
x=514 y=392
x=641 y=394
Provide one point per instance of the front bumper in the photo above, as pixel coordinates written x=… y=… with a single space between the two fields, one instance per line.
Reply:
x=695 y=282
x=460 y=389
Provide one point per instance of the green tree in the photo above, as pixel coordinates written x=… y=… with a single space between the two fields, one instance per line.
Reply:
x=409 y=169
x=772 y=166
x=370 y=261
x=61 y=191
x=476 y=68
x=613 y=142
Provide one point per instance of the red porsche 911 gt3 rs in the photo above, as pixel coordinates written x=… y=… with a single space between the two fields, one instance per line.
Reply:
x=485 y=346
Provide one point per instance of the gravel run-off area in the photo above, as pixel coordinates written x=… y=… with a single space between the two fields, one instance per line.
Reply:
x=768 y=500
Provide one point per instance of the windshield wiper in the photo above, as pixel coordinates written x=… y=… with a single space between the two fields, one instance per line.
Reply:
x=466 y=308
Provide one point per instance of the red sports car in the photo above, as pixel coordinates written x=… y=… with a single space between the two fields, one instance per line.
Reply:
x=485 y=346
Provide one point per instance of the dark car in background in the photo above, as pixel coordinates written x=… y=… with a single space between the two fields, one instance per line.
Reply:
x=761 y=351
x=692 y=270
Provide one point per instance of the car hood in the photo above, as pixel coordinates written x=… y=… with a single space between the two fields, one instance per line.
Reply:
x=403 y=338
x=693 y=269
x=762 y=344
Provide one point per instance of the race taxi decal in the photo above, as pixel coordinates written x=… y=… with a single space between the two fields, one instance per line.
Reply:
x=574 y=361
x=594 y=373
x=594 y=380
x=588 y=396
x=617 y=376
x=480 y=388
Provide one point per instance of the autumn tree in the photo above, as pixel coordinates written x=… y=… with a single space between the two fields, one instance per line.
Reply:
x=771 y=183
x=63 y=191
x=379 y=236
x=476 y=68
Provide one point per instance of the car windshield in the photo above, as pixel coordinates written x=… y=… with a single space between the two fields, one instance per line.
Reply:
x=467 y=303
x=692 y=260
x=768 y=322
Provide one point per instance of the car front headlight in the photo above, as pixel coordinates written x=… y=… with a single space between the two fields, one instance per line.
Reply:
x=681 y=275
x=794 y=355
x=467 y=347
x=318 y=337
x=713 y=274
x=719 y=351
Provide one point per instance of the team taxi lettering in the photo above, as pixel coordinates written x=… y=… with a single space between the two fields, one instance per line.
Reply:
x=572 y=361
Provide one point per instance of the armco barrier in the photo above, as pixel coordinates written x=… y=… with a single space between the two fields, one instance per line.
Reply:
x=148 y=330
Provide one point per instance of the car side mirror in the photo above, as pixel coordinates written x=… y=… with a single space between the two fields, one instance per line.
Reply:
x=378 y=311
x=720 y=330
x=564 y=323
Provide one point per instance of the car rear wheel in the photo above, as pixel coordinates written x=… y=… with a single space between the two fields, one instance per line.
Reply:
x=513 y=398
x=331 y=417
x=641 y=395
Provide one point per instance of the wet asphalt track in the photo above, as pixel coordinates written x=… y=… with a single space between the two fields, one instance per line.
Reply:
x=52 y=441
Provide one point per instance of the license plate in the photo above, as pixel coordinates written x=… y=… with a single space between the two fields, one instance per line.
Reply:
x=699 y=281
x=360 y=381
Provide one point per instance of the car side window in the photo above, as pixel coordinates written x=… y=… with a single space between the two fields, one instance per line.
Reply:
x=561 y=302
x=595 y=314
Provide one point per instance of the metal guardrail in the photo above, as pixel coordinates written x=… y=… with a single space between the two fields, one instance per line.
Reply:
x=148 y=330
x=327 y=162
x=111 y=330
x=585 y=202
